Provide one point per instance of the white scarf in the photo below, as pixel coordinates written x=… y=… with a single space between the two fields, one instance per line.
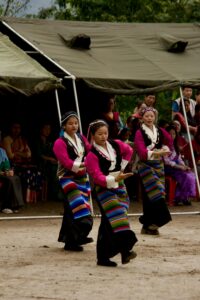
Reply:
x=78 y=147
x=109 y=153
x=152 y=134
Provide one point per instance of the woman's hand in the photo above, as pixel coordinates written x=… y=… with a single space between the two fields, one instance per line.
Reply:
x=123 y=176
x=183 y=167
x=187 y=168
x=159 y=153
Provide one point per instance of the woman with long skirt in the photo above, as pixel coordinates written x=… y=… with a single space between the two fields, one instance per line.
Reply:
x=70 y=150
x=151 y=144
x=105 y=164
x=184 y=176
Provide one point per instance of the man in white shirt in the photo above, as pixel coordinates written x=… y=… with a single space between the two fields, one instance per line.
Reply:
x=187 y=93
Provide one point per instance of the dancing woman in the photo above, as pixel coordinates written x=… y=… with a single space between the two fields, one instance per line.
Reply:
x=70 y=150
x=105 y=164
x=151 y=144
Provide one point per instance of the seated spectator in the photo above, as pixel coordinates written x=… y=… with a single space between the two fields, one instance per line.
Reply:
x=16 y=146
x=176 y=168
x=11 y=198
x=46 y=161
x=181 y=141
x=111 y=117
x=196 y=151
x=19 y=154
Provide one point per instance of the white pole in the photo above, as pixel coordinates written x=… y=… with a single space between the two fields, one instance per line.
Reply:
x=94 y=215
x=58 y=105
x=76 y=99
x=76 y=102
x=190 y=142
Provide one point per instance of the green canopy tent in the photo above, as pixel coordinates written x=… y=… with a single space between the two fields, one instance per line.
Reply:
x=122 y=58
x=19 y=73
x=21 y=78
x=119 y=58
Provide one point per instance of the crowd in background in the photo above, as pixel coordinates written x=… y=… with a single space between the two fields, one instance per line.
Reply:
x=36 y=165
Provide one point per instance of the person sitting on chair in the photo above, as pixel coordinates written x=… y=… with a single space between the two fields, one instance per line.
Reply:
x=20 y=156
x=176 y=168
x=11 y=198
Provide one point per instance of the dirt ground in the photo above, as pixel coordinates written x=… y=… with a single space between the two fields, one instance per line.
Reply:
x=33 y=264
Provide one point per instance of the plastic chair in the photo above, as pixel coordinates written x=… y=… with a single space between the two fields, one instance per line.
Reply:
x=170 y=187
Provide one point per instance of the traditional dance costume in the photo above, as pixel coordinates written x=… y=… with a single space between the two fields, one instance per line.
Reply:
x=151 y=171
x=77 y=220
x=114 y=235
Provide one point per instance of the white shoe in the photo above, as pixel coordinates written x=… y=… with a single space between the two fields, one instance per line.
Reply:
x=7 y=211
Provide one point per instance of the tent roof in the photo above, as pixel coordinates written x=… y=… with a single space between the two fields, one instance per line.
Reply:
x=19 y=72
x=124 y=58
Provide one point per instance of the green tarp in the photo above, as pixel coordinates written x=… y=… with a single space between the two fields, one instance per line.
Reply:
x=20 y=73
x=124 y=58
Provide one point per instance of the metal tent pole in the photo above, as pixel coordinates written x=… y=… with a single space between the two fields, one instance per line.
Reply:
x=58 y=105
x=76 y=99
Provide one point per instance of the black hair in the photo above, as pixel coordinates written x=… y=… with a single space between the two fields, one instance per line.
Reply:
x=151 y=94
x=197 y=92
x=122 y=132
x=163 y=123
x=197 y=108
x=175 y=142
x=187 y=87
x=67 y=115
x=95 y=125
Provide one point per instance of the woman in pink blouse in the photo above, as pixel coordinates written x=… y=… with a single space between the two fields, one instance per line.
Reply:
x=105 y=164
x=70 y=150
x=151 y=144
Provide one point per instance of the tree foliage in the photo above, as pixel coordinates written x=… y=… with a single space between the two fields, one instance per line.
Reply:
x=125 y=11
x=13 y=7
x=112 y=10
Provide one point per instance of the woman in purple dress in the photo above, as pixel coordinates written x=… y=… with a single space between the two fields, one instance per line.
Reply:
x=175 y=167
